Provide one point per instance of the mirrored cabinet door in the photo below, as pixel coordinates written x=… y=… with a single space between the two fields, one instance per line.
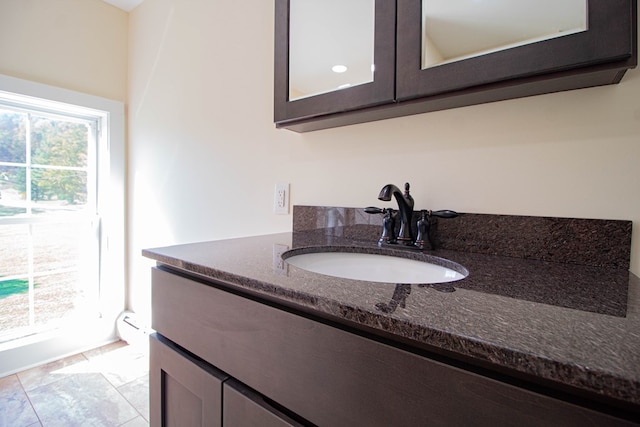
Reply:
x=454 y=31
x=332 y=56
x=446 y=46
x=330 y=46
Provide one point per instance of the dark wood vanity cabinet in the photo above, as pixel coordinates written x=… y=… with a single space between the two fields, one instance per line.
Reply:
x=599 y=55
x=187 y=392
x=224 y=357
x=183 y=390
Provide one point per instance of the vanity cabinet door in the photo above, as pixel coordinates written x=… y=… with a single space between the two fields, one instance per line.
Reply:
x=538 y=47
x=356 y=34
x=184 y=391
x=244 y=407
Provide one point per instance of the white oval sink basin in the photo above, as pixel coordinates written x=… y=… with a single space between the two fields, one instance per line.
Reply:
x=375 y=267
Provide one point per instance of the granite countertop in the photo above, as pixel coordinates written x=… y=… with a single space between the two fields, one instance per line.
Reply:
x=573 y=325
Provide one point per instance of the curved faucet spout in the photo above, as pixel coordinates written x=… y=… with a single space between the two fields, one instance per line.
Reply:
x=405 y=206
x=387 y=191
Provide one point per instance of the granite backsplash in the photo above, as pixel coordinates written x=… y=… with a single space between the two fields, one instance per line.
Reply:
x=592 y=242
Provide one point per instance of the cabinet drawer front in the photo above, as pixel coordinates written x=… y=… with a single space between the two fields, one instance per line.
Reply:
x=332 y=377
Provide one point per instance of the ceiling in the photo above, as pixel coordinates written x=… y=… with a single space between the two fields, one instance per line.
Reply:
x=126 y=5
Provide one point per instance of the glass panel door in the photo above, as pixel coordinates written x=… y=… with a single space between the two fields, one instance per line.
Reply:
x=49 y=227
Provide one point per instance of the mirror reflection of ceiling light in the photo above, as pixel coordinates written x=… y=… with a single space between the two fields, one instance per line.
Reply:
x=344 y=86
x=339 y=68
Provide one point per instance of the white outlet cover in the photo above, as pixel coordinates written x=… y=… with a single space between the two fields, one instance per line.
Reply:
x=281 y=199
x=279 y=265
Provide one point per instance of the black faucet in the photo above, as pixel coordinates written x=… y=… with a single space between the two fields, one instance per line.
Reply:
x=424 y=224
x=405 y=206
x=406 y=234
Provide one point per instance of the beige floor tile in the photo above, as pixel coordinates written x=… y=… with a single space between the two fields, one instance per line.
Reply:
x=100 y=351
x=54 y=371
x=137 y=393
x=108 y=386
x=15 y=408
x=121 y=365
x=83 y=399
x=136 y=422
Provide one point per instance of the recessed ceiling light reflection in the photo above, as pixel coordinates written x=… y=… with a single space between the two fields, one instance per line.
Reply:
x=339 y=68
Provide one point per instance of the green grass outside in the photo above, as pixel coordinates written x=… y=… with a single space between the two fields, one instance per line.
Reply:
x=11 y=287
x=10 y=211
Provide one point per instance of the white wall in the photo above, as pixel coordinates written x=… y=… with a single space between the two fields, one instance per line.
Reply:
x=73 y=44
x=205 y=155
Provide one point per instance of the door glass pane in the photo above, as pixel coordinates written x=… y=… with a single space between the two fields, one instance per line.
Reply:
x=60 y=246
x=58 y=189
x=14 y=304
x=57 y=297
x=48 y=241
x=14 y=277
x=14 y=252
x=58 y=142
x=12 y=137
x=12 y=191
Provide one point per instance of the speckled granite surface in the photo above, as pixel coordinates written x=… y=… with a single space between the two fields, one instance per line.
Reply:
x=597 y=242
x=574 y=325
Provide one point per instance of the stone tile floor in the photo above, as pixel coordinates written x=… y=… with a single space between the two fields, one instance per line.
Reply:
x=108 y=386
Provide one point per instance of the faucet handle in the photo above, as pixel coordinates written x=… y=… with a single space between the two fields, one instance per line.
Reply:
x=374 y=210
x=423 y=230
x=388 y=223
x=407 y=196
x=443 y=213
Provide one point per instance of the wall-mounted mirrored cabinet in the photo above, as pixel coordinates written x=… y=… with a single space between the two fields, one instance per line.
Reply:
x=340 y=62
x=333 y=56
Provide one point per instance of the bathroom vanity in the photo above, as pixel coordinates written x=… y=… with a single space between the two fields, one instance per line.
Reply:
x=245 y=339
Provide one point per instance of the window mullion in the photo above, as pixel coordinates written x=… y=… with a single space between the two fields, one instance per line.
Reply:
x=31 y=274
x=27 y=196
x=92 y=164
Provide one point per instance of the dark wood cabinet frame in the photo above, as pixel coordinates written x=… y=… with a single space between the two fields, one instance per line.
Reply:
x=381 y=90
x=609 y=38
x=598 y=56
